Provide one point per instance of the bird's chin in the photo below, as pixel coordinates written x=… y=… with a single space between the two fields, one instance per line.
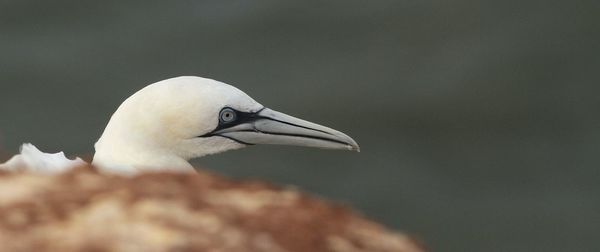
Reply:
x=199 y=147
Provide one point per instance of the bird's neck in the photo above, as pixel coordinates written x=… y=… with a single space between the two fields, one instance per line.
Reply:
x=116 y=155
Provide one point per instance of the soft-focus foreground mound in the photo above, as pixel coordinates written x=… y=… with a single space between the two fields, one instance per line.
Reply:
x=86 y=211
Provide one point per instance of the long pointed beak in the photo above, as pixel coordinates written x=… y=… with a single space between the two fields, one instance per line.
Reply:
x=271 y=127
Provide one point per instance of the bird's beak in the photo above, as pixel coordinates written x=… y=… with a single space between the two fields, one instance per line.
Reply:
x=271 y=127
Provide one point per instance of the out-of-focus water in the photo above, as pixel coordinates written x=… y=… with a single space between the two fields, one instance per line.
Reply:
x=478 y=120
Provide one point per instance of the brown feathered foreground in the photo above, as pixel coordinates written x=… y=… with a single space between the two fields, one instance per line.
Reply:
x=86 y=211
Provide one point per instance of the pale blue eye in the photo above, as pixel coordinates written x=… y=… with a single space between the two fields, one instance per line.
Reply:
x=227 y=115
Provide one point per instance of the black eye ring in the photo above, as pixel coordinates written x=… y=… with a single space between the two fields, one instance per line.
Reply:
x=227 y=115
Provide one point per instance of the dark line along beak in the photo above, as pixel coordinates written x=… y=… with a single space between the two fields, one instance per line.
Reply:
x=271 y=127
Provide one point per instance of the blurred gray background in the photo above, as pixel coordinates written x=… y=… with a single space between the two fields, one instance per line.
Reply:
x=478 y=120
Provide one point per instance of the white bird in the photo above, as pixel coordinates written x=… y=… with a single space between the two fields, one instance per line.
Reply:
x=164 y=125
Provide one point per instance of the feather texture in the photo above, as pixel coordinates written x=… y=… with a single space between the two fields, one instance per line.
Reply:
x=34 y=160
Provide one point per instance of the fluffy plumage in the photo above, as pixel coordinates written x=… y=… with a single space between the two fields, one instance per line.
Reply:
x=32 y=159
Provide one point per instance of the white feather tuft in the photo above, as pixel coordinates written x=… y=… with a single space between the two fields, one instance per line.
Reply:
x=33 y=160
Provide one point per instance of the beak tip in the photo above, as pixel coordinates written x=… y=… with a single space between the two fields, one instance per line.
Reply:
x=353 y=147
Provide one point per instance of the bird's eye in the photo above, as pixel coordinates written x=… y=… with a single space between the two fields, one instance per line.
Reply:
x=227 y=115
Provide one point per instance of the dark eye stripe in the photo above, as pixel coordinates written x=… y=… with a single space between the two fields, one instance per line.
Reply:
x=240 y=117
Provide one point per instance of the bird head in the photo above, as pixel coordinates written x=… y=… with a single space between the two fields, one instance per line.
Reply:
x=172 y=121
